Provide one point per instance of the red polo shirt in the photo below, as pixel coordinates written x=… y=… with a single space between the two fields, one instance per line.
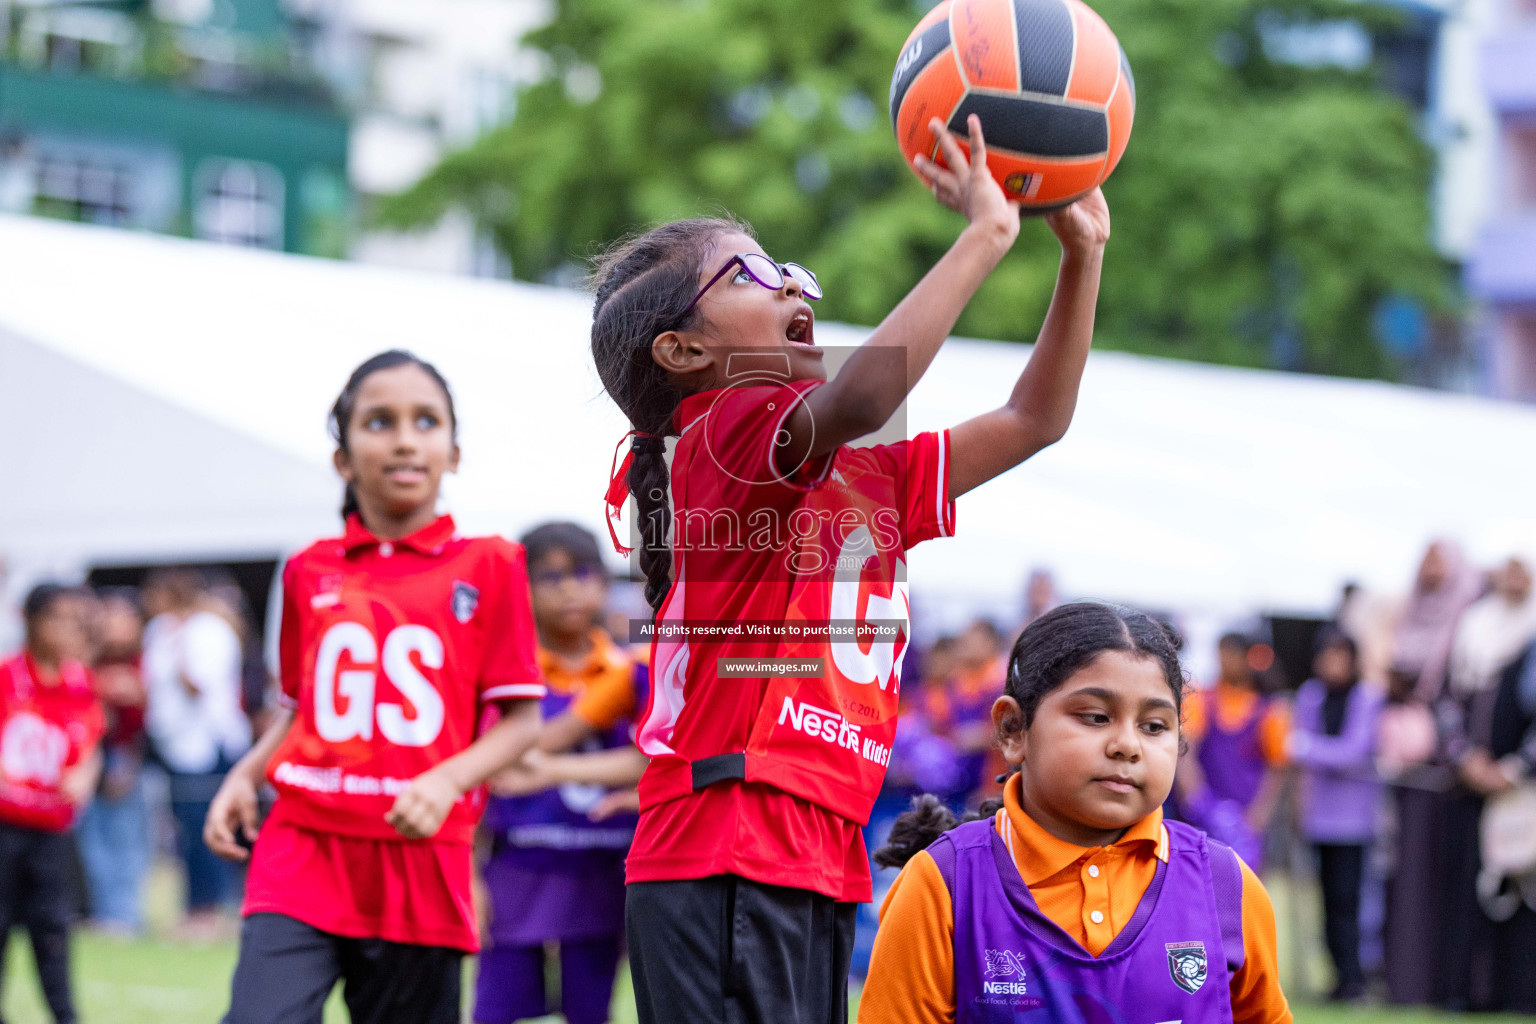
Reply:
x=49 y=723
x=754 y=546
x=390 y=650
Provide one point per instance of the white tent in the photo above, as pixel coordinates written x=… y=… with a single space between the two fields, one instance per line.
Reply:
x=167 y=399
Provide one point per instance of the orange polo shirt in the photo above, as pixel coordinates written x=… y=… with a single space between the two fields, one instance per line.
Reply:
x=912 y=971
x=602 y=683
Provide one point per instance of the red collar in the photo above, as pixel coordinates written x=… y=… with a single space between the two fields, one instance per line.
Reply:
x=429 y=540
x=35 y=674
x=698 y=404
x=32 y=675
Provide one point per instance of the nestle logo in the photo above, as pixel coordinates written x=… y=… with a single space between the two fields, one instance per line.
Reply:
x=832 y=728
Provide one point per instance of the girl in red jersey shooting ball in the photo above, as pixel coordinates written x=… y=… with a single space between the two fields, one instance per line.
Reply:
x=748 y=857
x=395 y=637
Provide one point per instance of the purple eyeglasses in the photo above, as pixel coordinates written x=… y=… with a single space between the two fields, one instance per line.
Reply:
x=766 y=273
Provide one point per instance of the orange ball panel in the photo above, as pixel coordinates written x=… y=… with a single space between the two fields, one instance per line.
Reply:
x=934 y=93
x=1122 y=113
x=1039 y=182
x=1096 y=63
x=984 y=38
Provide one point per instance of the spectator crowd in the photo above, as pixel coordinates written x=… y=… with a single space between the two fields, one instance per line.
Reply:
x=1400 y=772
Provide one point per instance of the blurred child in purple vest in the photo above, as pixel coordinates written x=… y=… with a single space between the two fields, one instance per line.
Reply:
x=1333 y=742
x=555 y=873
x=1230 y=780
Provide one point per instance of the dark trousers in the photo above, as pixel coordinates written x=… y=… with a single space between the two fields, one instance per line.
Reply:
x=210 y=879
x=727 y=950
x=1341 y=869
x=287 y=969
x=37 y=889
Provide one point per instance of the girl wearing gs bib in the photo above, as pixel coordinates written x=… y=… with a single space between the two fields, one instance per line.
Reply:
x=397 y=638
x=748 y=854
x=1075 y=902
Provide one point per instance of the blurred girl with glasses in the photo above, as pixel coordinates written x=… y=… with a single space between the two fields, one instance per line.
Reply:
x=748 y=857
x=555 y=871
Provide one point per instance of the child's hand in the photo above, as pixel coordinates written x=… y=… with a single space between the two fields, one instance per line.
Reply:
x=231 y=816
x=420 y=811
x=526 y=777
x=1084 y=226
x=622 y=801
x=967 y=187
x=78 y=785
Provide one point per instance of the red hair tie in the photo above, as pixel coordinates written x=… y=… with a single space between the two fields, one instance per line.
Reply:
x=618 y=478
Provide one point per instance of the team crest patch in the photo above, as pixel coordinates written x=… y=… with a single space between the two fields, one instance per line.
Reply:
x=464 y=601
x=1186 y=964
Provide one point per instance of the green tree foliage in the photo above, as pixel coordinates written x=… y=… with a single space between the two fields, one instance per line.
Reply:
x=1258 y=200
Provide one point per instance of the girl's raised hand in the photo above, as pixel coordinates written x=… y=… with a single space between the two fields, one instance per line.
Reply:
x=1083 y=226
x=966 y=186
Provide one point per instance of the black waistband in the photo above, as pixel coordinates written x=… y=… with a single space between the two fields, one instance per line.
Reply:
x=710 y=770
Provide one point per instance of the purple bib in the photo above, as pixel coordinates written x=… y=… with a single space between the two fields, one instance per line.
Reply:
x=1172 y=962
x=1233 y=761
x=550 y=831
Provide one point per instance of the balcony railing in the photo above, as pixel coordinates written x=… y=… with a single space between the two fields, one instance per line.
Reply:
x=1503 y=265
x=1509 y=69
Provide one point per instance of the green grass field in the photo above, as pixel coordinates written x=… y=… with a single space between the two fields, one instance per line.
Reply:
x=160 y=981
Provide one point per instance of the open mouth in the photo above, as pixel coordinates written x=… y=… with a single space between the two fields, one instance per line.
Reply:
x=801 y=329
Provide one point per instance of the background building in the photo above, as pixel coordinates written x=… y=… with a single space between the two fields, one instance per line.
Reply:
x=166 y=118
x=418 y=80
x=1502 y=274
x=253 y=122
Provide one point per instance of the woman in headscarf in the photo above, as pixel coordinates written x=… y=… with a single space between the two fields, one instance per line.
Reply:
x=1416 y=905
x=1491 y=639
x=1442 y=590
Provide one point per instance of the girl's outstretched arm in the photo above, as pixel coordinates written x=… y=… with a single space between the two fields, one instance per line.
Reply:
x=873 y=382
x=1039 y=410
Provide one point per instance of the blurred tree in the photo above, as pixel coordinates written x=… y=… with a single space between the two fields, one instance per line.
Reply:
x=1262 y=213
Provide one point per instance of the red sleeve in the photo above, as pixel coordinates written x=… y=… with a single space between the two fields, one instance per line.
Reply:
x=921 y=468
x=741 y=432
x=290 y=640
x=511 y=667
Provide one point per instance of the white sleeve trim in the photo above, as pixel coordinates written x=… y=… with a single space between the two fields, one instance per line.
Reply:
x=514 y=690
x=941 y=485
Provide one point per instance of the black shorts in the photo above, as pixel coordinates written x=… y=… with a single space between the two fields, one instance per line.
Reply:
x=727 y=950
x=287 y=969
